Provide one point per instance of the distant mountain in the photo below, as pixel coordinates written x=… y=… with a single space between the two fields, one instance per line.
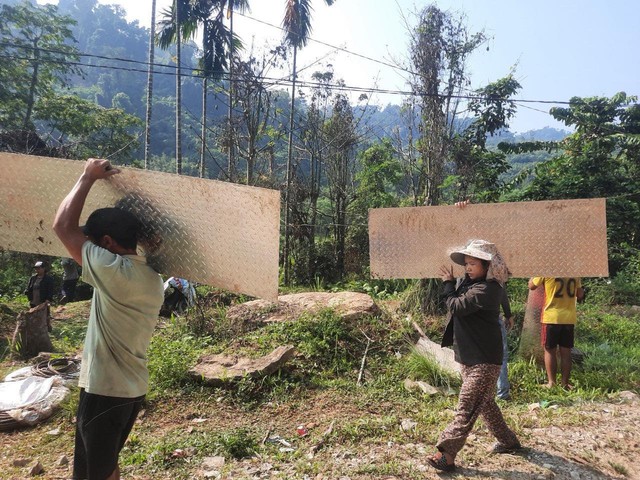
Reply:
x=545 y=134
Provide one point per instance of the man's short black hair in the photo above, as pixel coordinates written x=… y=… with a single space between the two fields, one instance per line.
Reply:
x=119 y=224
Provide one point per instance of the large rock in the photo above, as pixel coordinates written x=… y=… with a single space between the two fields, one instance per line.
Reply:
x=217 y=369
x=349 y=305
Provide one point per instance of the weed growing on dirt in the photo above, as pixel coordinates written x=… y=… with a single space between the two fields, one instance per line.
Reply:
x=68 y=336
x=178 y=448
x=419 y=367
x=362 y=429
x=618 y=468
x=238 y=443
x=69 y=406
x=323 y=339
x=170 y=355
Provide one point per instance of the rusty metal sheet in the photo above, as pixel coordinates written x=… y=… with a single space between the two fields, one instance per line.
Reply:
x=216 y=233
x=559 y=238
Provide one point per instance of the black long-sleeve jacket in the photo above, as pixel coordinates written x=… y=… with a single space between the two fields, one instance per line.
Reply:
x=46 y=288
x=473 y=325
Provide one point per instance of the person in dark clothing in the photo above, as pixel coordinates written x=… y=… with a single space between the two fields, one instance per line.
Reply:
x=473 y=330
x=40 y=286
x=506 y=324
x=69 y=280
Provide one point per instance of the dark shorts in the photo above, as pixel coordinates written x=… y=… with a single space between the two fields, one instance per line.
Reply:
x=554 y=335
x=102 y=426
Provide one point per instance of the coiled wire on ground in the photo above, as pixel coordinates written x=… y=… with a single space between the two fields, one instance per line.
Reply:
x=67 y=368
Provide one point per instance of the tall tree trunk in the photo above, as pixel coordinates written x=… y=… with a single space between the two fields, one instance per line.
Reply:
x=251 y=158
x=341 y=219
x=32 y=88
x=203 y=144
x=313 y=215
x=178 y=92
x=147 y=129
x=285 y=252
x=231 y=163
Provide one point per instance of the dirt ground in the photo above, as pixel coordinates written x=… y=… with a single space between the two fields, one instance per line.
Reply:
x=586 y=441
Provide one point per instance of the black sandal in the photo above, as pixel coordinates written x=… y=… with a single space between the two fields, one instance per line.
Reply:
x=441 y=463
x=500 y=448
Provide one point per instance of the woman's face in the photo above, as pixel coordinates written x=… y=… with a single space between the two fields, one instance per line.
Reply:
x=474 y=268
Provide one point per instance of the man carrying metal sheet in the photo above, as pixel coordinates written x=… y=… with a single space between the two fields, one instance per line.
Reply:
x=124 y=311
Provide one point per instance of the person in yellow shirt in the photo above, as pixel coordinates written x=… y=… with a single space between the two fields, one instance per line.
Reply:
x=558 y=323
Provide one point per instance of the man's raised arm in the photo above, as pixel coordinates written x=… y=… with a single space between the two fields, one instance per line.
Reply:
x=67 y=221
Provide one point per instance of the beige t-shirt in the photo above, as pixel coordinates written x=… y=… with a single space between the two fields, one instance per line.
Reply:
x=126 y=301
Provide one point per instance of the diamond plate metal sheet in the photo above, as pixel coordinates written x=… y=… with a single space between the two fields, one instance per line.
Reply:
x=216 y=233
x=560 y=238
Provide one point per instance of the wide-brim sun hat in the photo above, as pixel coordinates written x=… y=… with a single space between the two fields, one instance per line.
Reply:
x=475 y=248
x=483 y=250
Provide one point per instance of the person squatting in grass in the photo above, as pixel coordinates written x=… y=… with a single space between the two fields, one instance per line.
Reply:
x=124 y=310
x=558 y=323
x=474 y=331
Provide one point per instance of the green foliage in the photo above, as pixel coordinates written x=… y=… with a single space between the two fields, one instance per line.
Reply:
x=492 y=109
x=70 y=335
x=423 y=297
x=91 y=130
x=476 y=171
x=377 y=187
x=15 y=269
x=35 y=49
x=419 y=367
x=164 y=452
x=626 y=284
x=238 y=443
x=600 y=159
x=324 y=340
x=216 y=39
x=376 y=288
x=170 y=356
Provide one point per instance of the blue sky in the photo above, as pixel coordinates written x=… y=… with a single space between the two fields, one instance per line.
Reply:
x=559 y=49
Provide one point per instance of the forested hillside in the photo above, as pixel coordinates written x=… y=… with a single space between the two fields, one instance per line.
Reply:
x=74 y=84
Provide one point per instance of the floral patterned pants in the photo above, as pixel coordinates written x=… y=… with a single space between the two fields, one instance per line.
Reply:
x=477 y=397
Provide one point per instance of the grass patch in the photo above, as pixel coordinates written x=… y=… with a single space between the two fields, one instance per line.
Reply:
x=179 y=447
x=363 y=429
x=420 y=367
x=173 y=350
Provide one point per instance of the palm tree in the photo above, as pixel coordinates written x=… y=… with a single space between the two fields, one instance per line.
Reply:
x=241 y=6
x=173 y=30
x=217 y=40
x=297 y=26
x=147 y=130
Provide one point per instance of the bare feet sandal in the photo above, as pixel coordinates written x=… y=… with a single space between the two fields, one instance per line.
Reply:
x=439 y=462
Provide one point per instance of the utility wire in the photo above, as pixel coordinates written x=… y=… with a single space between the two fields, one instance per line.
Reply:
x=274 y=81
x=342 y=49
